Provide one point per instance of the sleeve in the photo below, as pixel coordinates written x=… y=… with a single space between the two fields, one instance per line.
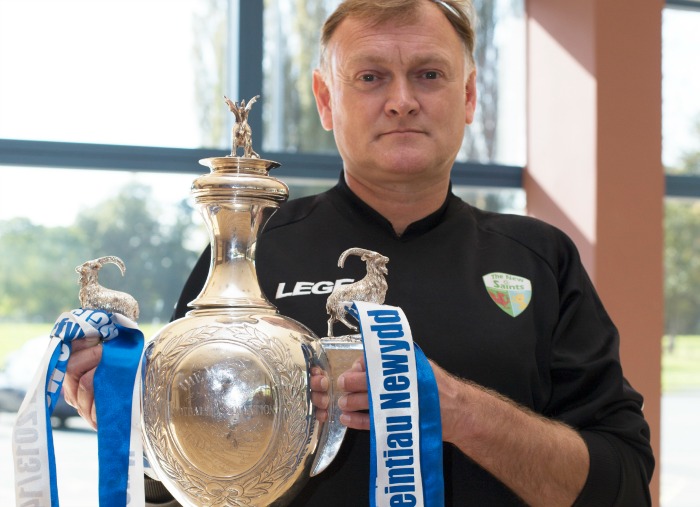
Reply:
x=590 y=393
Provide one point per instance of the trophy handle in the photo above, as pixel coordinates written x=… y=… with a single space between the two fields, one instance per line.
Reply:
x=341 y=352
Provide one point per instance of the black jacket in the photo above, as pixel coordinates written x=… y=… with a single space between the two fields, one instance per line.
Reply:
x=558 y=355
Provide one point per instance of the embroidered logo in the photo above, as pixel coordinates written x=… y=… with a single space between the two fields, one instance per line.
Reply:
x=511 y=293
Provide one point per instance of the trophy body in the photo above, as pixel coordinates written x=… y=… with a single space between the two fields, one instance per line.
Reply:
x=227 y=413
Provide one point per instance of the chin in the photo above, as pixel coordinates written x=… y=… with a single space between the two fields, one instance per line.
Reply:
x=409 y=164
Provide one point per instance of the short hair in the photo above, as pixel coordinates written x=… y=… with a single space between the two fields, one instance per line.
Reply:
x=460 y=14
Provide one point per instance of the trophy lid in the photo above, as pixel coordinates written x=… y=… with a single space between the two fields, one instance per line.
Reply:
x=235 y=176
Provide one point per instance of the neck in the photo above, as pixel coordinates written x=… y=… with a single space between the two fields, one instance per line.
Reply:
x=401 y=203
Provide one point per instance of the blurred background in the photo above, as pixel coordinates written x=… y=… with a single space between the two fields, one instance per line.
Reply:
x=106 y=107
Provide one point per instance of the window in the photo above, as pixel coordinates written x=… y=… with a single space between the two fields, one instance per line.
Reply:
x=51 y=220
x=106 y=107
x=681 y=103
x=681 y=345
x=291 y=52
x=99 y=72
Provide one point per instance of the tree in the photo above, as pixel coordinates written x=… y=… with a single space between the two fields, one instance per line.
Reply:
x=480 y=139
x=682 y=255
x=38 y=279
x=37 y=276
x=682 y=267
x=690 y=161
x=291 y=55
x=290 y=120
x=150 y=243
x=210 y=27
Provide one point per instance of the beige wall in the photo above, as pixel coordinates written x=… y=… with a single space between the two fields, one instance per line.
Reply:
x=594 y=162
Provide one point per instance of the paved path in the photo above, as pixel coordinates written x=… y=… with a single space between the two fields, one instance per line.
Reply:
x=76 y=463
x=680 y=450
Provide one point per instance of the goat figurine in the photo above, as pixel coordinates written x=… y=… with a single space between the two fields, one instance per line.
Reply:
x=93 y=295
x=241 y=134
x=372 y=288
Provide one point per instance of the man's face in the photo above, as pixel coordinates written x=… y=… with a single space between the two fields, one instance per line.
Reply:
x=397 y=97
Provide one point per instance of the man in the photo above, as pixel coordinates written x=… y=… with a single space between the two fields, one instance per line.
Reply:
x=543 y=415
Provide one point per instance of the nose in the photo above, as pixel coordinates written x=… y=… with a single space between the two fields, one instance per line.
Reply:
x=401 y=100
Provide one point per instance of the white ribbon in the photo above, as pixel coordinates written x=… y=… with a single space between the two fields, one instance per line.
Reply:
x=32 y=436
x=405 y=433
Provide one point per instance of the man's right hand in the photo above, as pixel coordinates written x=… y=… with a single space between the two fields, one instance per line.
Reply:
x=78 y=389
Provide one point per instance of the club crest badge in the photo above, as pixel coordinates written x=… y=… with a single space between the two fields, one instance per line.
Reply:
x=511 y=293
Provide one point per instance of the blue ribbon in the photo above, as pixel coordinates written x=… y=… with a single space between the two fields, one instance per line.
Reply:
x=114 y=386
x=430 y=429
x=66 y=331
x=430 y=433
x=57 y=363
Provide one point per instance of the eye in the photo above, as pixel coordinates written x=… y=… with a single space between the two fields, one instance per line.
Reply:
x=368 y=78
x=431 y=74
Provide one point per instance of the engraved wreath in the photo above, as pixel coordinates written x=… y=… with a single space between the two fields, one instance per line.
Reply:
x=293 y=439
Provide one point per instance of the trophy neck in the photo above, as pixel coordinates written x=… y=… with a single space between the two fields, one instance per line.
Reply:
x=236 y=199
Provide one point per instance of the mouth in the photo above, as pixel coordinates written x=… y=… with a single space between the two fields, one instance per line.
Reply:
x=402 y=132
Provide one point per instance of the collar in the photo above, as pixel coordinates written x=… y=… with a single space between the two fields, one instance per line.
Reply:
x=359 y=209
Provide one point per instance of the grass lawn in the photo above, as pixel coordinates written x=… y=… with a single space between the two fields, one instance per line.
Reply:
x=12 y=336
x=680 y=366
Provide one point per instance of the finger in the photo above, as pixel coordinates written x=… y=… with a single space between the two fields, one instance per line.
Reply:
x=86 y=398
x=93 y=415
x=321 y=415
x=352 y=381
x=80 y=362
x=319 y=380
x=320 y=400
x=355 y=420
x=358 y=365
x=84 y=343
x=78 y=383
x=353 y=401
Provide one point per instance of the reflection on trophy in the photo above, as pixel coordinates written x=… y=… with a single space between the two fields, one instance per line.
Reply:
x=227 y=412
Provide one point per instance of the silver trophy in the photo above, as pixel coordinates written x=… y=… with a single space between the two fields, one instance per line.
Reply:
x=227 y=412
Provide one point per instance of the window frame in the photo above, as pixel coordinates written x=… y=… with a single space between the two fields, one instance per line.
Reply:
x=685 y=185
x=245 y=48
x=691 y=4
x=246 y=79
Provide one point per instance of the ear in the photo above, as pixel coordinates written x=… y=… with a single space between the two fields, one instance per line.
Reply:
x=470 y=97
x=323 y=100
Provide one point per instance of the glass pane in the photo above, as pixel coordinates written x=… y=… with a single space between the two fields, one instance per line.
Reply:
x=114 y=72
x=75 y=447
x=302 y=187
x=498 y=132
x=681 y=81
x=680 y=373
x=70 y=216
x=52 y=220
x=291 y=53
x=501 y=200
